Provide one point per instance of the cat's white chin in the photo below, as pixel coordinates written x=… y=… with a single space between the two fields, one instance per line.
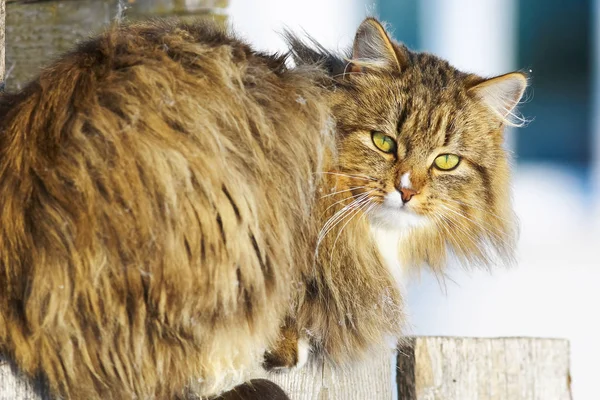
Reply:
x=391 y=221
x=394 y=215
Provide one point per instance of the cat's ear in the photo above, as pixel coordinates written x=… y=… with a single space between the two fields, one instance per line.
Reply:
x=502 y=94
x=373 y=48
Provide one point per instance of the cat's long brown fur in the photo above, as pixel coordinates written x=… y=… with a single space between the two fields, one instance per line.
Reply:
x=163 y=191
x=148 y=184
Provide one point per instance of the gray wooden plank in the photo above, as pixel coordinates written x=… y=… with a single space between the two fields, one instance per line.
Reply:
x=490 y=369
x=2 y=43
x=39 y=32
x=429 y=368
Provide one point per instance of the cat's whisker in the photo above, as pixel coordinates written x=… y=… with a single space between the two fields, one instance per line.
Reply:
x=332 y=225
x=337 y=217
x=345 y=72
x=479 y=209
x=349 y=175
x=497 y=234
x=369 y=209
x=357 y=208
x=446 y=224
x=475 y=223
x=493 y=230
x=345 y=209
x=462 y=215
x=452 y=223
x=459 y=242
x=343 y=191
x=341 y=211
x=353 y=196
x=443 y=223
x=356 y=212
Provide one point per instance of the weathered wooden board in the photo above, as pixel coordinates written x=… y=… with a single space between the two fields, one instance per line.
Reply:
x=38 y=32
x=372 y=379
x=427 y=368
x=13 y=386
x=2 y=19
x=441 y=368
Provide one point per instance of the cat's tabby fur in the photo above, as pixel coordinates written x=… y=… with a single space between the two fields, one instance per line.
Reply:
x=163 y=190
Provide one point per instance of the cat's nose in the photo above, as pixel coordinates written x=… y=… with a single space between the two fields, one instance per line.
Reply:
x=407 y=194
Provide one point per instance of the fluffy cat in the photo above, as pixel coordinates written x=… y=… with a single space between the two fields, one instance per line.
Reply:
x=175 y=205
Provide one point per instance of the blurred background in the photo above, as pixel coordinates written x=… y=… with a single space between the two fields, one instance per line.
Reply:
x=555 y=289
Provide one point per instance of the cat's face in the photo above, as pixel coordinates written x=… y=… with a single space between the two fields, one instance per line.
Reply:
x=421 y=149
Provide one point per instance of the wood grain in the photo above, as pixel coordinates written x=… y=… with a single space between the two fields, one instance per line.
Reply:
x=426 y=368
x=2 y=57
x=14 y=386
x=440 y=368
x=369 y=379
x=38 y=32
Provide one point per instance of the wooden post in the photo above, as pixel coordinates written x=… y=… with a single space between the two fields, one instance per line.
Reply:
x=2 y=41
x=371 y=379
x=440 y=368
x=14 y=386
x=444 y=368
x=41 y=31
x=426 y=368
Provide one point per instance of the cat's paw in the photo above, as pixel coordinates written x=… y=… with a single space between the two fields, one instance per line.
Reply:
x=303 y=352
x=290 y=354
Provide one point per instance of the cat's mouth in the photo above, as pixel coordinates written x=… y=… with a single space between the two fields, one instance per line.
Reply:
x=393 y=213
x=393 y=200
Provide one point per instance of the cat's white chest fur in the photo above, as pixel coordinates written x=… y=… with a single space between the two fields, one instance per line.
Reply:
x=389 y=223
x=387 y=241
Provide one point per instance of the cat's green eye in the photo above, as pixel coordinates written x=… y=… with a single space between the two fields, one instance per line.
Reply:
x=446 y=162
x=384 y=142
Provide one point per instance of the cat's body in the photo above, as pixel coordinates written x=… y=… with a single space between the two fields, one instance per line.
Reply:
x=166 y=194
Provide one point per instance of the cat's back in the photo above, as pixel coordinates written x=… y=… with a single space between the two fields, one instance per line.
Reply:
x=154 y=62
x=158 y=161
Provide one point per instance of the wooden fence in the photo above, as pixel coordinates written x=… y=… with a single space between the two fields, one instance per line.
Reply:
x=39 y=31
x=444 y=368
x=427 y=368
x=2 y=57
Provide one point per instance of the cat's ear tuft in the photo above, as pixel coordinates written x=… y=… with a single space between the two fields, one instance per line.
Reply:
x=502 y=94
x=373 y=48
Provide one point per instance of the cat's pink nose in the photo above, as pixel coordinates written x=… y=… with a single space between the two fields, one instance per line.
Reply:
x=407 y=194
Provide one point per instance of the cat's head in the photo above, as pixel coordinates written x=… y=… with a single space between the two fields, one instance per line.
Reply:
x=420 y=148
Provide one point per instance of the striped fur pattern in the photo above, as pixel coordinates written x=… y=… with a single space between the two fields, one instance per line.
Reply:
x=148 y=183
x=427 y=108
x=172 y=199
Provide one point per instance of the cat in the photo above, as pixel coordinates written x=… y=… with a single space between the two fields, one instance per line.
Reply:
x=179 y=208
